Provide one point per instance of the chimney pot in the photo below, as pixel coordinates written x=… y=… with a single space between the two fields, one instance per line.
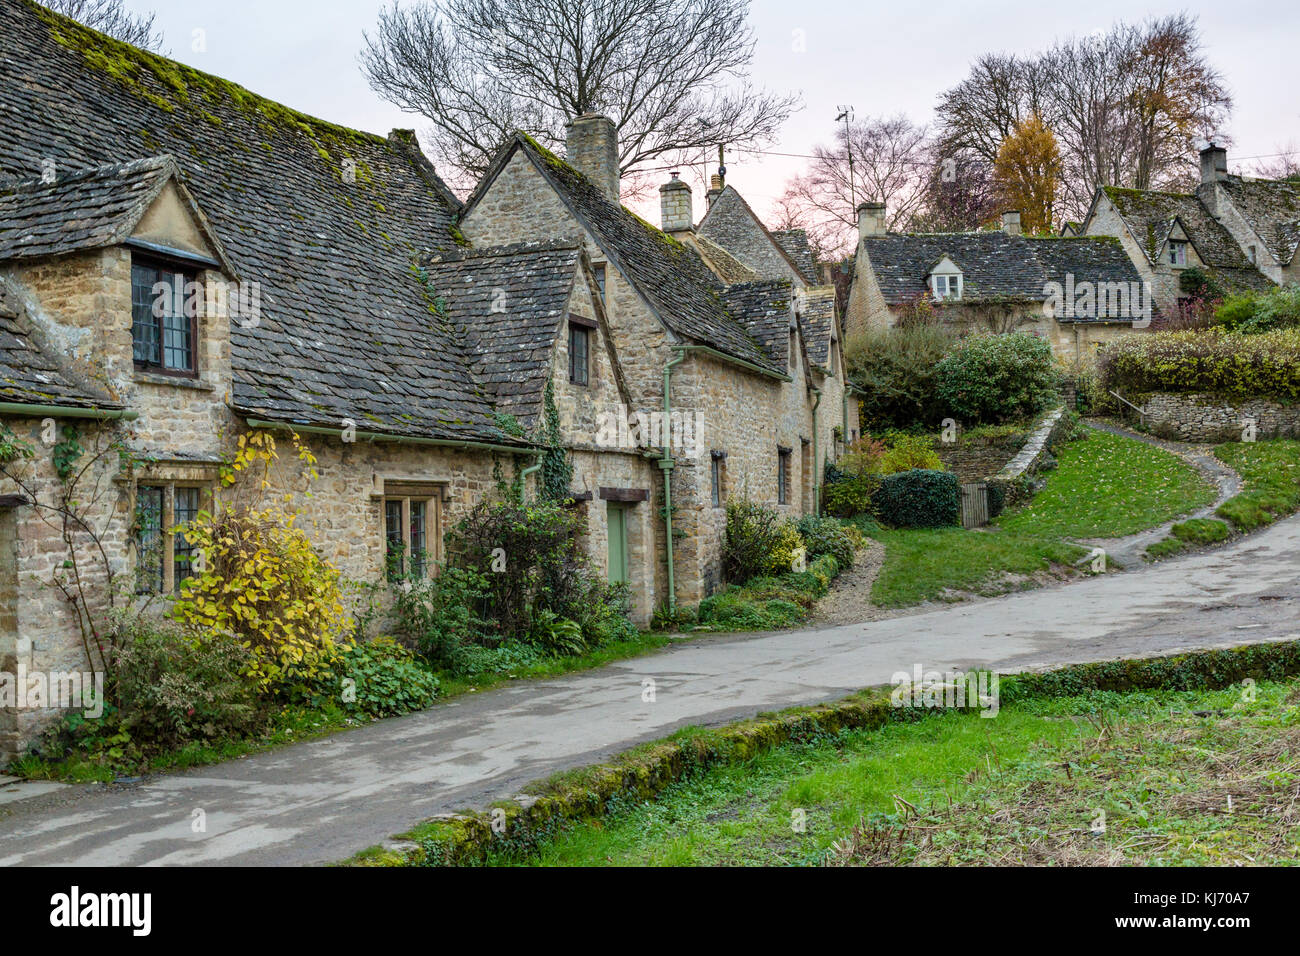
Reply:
x=591 y=147
x=871 y=219
x=1214 y=164
x=675 y=213
x=1011 y=222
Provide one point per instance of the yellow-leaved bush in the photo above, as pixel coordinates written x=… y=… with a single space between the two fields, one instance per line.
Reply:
x=261 y=581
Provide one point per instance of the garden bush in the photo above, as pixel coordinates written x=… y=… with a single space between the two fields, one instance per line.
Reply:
x=378 y=678
x=894 y=370
x=989 y=379
x=527 y=556
x=171 y=687
x=909 y=452
x=438 y=616
x=920 y=498
x=849 y=483
x=1255 y=312
x=1266 y=365
x=758 y=541
x=263 y=583
x=827 y=536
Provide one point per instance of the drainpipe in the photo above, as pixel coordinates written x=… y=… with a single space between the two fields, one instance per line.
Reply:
x=666 y=464
x=817 y=475
x=523 y=475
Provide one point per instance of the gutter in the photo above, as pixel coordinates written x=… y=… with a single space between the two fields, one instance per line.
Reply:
x=724 y=357
x=666 y=464
x=67 y=411
x=402 y=439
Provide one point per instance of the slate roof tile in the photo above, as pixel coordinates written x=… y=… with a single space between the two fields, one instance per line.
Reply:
x=671 y=276
x=995 y=266
x=341 y=299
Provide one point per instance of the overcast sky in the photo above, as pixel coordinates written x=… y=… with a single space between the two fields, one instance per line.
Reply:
x=881 y=58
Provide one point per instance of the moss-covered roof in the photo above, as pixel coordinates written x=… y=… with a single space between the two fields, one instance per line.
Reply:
x=327 y=219
x=671 y=276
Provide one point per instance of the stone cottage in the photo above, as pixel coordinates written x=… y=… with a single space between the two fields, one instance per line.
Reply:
x=1243 y=232
x=183 y=262
x=1077 y=292
x=752 y=366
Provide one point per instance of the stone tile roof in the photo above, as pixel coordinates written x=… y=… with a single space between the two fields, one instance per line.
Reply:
x=995 y=267
x=88 y=209
x=671 y=276
x=817 y=317
x=764 y=307
x=732 y=224
x=509 y=302
x=795 y=243
x=346 y=329
x=29 y=372
x=1150 y=217
x=728 y=268
x=1272 y=207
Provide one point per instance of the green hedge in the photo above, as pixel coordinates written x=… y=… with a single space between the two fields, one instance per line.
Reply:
x=1239 y=366
x=996 y=378
x=919 y=498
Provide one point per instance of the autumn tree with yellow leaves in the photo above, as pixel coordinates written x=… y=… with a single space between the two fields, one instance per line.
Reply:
x=1027 y=174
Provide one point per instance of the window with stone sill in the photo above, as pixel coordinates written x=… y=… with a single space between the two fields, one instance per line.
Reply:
x=718 y=477
x=783 y=476
x=165 y=304
x=412 y=530
x=599 y=271
x=579 y=354
x=946 y=286
x=1177 y=253
x=165 y=559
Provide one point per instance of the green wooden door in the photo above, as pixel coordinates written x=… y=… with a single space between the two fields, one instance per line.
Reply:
x=617 y=542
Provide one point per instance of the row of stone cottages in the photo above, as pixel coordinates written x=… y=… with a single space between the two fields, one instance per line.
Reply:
x=349 y=296
x=1120 y=269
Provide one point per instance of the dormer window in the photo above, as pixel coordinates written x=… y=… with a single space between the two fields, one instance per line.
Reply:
x=947 y=286
x=164 y=312
x=1177 y=252
x=1250 y=254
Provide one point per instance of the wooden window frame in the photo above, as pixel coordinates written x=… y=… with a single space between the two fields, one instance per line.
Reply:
x=189 y=274
x=433 y=519
x=581 y=330
x=166 y=530
x=600 y=273
x=783 y=475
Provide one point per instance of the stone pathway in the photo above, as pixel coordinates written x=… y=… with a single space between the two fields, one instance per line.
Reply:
x=1128 y=551
x=849 y=599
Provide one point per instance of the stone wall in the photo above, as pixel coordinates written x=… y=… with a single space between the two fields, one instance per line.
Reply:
x=977 y=458
x=1201 y=417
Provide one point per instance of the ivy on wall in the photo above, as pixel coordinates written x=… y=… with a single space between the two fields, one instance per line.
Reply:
x=557 y=469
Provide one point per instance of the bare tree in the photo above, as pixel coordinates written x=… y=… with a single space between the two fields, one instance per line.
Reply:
x=672 y=74
x=1126 y=105
x=1284 y=165
x=890 y=165
x=110 y=17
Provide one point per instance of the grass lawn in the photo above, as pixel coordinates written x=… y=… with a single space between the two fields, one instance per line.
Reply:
x=1270 y=473
x=1031 y=786
x=1104 y=486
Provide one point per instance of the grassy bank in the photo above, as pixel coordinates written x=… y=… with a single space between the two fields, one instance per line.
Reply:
x=1103 y=486
x=1035 y=785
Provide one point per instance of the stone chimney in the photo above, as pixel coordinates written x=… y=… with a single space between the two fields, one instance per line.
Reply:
x=1214 y=164
x=591 y=147
x=675 y=205
x=871 y=219
x=1011 y=222
x=715 y=189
